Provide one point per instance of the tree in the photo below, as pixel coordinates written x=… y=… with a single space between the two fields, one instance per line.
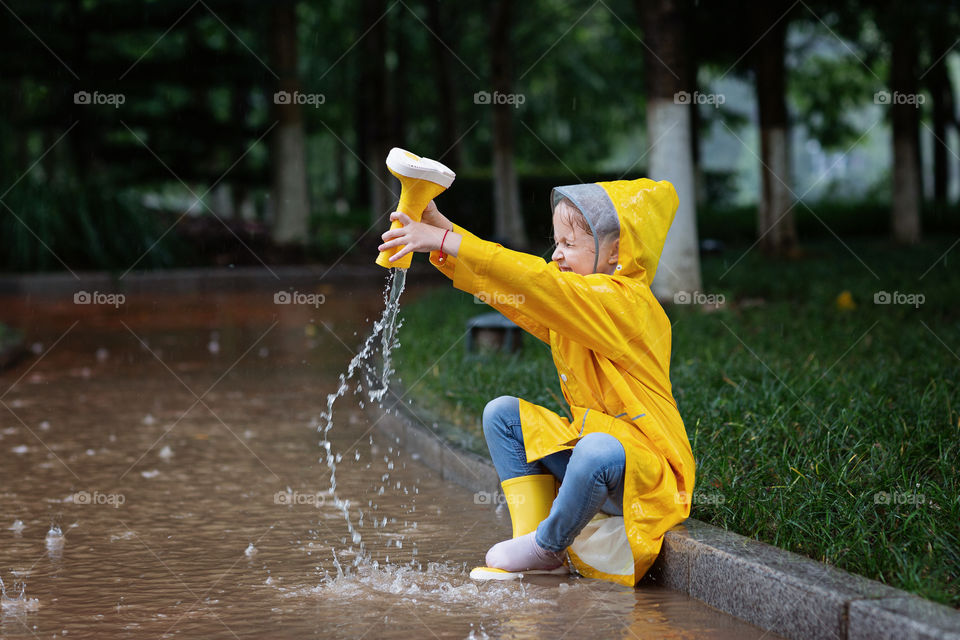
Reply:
x=941 y=93
x=290 y=206
x=374 y=120
x=441 y=25
x=668 y=130
x=940 y=25
x=905 y=214
x=508 y=220
x=776 y=228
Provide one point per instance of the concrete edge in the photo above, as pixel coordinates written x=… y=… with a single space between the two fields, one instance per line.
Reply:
x=776 y=590
x=190 y=280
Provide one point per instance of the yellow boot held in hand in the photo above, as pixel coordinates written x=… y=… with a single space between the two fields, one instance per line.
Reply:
x=529 y=499
x=421 y=180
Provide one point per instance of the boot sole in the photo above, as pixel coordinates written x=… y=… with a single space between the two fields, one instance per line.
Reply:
x=489 y=573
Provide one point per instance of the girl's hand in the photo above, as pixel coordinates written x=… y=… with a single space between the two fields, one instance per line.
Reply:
x=432 y=216
x=413 y=236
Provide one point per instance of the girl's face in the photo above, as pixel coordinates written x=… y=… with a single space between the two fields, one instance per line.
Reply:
x=574 y=247
x=575 y=250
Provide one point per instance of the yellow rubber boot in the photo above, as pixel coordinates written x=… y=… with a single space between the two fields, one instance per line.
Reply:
x=421 y=180
x=529 y=499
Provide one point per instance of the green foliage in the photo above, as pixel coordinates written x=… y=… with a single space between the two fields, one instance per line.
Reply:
x=47 y=227
x=827 y=89
x=198 y=81
x=827 y=432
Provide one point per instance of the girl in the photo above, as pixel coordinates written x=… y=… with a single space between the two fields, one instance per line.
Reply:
x=623 y=461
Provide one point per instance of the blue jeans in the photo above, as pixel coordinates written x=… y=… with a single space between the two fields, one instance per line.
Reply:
x=591 y=475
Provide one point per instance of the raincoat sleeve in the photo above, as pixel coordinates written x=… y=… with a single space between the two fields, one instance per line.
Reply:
x=449 y=268
x=598 y=311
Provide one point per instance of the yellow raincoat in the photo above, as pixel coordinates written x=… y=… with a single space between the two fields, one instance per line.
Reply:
x=610 y=341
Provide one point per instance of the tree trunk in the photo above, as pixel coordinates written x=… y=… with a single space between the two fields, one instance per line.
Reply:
x=906 y=169
x=447 y=106
x=373 y=114
x=942 y=95
x=669 y=131
x=379 y=116
x=340 y=177
x=508 y=220
x=82 y=136
x=699 y=177
x=290 y=202
x=776 y=228
x=363 y=102
x=221 y=201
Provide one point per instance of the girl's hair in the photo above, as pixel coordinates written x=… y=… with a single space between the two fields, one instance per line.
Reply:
x=577 y=219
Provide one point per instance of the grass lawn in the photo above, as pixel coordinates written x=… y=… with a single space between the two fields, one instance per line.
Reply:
x=830 y=431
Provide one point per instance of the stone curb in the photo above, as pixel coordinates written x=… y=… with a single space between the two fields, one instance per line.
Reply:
x=191 y=280
x=776 y=590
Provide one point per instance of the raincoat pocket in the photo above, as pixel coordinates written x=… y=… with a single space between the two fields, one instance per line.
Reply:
x=593 y=421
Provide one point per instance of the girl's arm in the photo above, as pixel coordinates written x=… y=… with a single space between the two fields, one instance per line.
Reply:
x=427 y=236
x=604 y=313
x=607 y=314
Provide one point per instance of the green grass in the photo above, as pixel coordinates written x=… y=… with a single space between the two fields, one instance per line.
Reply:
x=832 y=433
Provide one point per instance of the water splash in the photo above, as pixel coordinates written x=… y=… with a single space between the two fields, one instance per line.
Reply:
x=54 y=537
x=19 y=602
x=390 y=328
x=385 y=332
x=437 y=586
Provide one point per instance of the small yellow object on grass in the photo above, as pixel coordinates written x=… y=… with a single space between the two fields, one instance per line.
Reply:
x=845 y=301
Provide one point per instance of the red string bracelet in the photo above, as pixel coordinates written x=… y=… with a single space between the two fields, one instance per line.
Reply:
x=443 y=257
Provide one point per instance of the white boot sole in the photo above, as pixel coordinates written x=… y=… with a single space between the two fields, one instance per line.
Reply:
x=489 y=573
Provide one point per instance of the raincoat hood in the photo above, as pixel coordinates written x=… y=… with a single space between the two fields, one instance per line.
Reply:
x=640 y=211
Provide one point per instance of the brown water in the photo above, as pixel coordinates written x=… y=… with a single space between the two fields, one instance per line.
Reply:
x=173 y=442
